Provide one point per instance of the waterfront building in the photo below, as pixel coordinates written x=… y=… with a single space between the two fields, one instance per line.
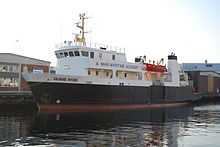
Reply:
x=11 y=68
x=205 y=77
x=215 y=67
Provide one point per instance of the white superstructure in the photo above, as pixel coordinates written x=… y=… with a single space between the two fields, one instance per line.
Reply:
x=103 y=65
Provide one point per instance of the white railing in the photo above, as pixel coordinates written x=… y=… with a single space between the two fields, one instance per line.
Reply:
x=70 y=44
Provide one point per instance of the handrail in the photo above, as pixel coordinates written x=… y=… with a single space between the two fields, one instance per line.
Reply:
x=70 y=44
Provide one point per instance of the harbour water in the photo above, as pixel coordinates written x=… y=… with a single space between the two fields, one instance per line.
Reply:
x=174 y=127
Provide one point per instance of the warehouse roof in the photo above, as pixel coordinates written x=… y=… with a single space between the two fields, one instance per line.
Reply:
x=201 y=67
x=19 y=59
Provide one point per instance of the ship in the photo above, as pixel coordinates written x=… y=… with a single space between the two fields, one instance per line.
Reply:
x=99 y=77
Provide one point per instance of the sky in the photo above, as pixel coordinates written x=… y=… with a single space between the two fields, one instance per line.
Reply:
x=155 y=28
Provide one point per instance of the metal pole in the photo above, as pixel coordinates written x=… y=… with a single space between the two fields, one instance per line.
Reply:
x=19 y=77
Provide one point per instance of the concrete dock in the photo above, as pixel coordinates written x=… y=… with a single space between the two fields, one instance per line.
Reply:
x=17 y=100
x=15 y=97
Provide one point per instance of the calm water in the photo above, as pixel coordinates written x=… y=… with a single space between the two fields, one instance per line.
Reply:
x=182 y=127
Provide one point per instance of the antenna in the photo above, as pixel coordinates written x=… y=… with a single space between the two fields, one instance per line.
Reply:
x=80 y=38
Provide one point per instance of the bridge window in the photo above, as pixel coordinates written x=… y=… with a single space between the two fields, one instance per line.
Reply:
x=66 y=54
x=57 y=55
x=61 y=55
x=84 y=53
x=92 y=55
x=71 y=54
x=113 y=57
x=76 y=53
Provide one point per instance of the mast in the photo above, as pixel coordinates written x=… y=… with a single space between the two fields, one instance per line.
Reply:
x=80 y=38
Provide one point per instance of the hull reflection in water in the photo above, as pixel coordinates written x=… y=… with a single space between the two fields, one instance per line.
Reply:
x=133 y=128
x=159 y=127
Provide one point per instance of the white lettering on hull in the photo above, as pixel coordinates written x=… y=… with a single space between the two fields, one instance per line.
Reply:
x=118 y=65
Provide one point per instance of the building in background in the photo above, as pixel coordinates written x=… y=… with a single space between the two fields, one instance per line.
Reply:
x=205 y=77
x=11 y=68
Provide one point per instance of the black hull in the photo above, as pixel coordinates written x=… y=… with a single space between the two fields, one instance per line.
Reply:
x=64 y=93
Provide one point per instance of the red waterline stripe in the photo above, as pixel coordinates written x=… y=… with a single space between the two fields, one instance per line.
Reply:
x=102 y=107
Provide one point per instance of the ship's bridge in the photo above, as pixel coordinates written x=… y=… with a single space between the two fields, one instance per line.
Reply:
x=76 y=60
x=80 y=58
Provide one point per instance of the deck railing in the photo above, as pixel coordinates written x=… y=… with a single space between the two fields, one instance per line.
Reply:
x=70 y=44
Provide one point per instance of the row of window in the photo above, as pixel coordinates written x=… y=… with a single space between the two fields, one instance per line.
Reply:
x=109 y=74
x=78 y=53
x=8 y=68
x=8 y=82
x=75 y=53
x=97 y=73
